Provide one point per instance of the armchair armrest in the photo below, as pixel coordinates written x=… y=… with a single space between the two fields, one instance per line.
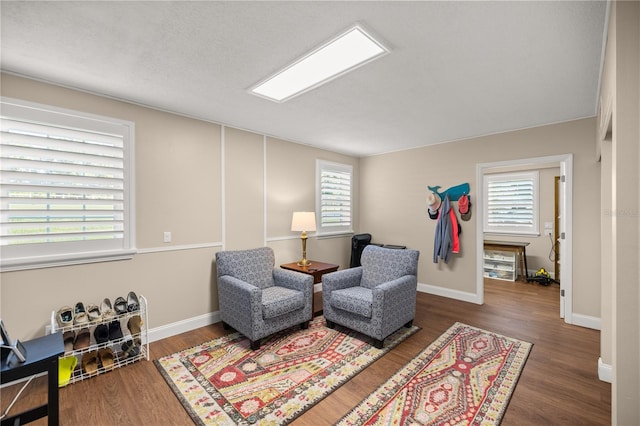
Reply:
x=240 y=292
x=399 y=284
x=397 y=293
x=341 y=279
x=292 y=279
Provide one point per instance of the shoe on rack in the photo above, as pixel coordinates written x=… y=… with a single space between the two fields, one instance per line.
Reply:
x=133 y=304
x=101 y=333
x=90 y=362
x=68 y=337
x=83 y=339
x=65 y=316
x=80 y=314
x=130 y=349
x=120 y=305
x=66 y=366
x=106 y=358
x=107 y=309
x=93 y=312
x=115 y=330
x=135 y=325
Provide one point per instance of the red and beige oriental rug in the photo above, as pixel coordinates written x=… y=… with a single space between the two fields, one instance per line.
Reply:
x=465 y=377
x=223 y=382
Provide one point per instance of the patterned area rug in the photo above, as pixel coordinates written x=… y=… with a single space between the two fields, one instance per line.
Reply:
x=465 y=377
x=223 y=382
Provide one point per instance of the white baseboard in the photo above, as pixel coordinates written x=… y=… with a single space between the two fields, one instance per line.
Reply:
x=447 y=292
x=576 y=319
x=585 y=321
x=605 y=371
x=183 y=326
x=189 y=324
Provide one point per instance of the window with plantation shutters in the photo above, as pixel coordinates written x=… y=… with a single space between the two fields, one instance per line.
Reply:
x=511 y=203
x=66 y=187
x=334 y=197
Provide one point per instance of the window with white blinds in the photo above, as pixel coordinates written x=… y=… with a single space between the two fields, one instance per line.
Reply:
x=334 y=197
x=511 y=205
x=66 y=187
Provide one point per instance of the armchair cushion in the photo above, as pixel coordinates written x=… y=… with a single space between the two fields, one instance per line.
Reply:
x=357 y=300
x=278 y=300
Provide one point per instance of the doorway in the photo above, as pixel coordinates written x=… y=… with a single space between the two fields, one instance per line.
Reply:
x=556 y=227
x=564 y=233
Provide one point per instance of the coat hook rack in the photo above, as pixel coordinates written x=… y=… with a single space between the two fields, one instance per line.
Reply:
x=454 y=193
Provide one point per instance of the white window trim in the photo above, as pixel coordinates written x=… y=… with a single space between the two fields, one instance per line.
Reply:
x=532 y=175
x=23 y=257
x=327 y=231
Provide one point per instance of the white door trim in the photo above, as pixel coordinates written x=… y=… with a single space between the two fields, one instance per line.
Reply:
x=565 y=163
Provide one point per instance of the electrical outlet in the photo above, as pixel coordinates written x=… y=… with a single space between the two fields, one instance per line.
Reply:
x=548 y=232
x=167 y=237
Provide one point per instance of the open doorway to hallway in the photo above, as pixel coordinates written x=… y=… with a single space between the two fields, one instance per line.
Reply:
x=562 y=165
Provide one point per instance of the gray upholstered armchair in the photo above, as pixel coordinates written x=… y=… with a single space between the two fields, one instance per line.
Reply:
x=258 y=300
x=376 y=298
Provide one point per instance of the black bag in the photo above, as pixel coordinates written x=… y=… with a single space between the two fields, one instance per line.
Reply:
x=358 y=243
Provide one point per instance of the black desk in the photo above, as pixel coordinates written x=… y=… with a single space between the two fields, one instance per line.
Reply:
x=42 y=356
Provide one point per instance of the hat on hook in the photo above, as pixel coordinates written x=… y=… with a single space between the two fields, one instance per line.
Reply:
x=433 y=204
x=464 y=207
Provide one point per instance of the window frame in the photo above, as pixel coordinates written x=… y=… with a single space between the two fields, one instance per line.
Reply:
x=531 y=175
x=329 y=230
x=61 y=253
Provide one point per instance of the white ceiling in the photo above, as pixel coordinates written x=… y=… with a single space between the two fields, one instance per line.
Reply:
x=456 y=69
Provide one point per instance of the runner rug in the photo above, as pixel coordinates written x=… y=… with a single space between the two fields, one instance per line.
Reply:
x=465 y=377
x=223 y=382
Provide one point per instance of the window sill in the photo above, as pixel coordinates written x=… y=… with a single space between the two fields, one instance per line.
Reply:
x=336 y=234
x=512 y=234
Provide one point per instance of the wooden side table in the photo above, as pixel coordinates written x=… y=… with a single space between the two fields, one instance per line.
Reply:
x=315 y=269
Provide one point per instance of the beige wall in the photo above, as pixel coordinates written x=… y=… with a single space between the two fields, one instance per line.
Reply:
x=290 y=183
x=177 y=161
x=393 y=201
x=620 y=153
x=211 y=186
x=244 y=189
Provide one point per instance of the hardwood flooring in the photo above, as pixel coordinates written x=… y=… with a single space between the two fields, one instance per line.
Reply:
x=559 y=384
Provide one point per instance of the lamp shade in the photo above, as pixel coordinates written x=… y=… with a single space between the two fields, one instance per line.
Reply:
x=303 y=221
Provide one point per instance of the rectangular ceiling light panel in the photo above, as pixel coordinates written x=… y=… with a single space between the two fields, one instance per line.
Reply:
x=343 y=54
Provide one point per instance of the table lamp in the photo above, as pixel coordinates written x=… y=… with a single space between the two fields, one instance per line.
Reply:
x=303 y=221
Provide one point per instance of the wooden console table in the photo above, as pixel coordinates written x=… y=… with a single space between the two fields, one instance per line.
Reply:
x=315 y=269
x=519 y=248
x=42 y=356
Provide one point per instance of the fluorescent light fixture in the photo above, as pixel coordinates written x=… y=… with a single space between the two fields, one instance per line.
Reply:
x=351 y=49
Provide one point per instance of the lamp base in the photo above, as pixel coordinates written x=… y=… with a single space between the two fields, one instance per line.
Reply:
x=304 y=261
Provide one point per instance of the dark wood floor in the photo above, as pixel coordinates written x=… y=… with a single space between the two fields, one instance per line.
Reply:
x=559 y=384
